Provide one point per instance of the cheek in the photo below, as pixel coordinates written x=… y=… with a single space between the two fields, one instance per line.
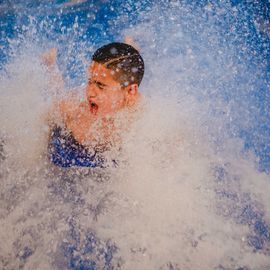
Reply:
x=116 y=101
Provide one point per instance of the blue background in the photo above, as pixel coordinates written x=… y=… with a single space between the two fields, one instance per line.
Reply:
x=89 y=24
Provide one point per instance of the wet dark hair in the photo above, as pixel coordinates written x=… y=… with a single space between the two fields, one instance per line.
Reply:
x=124 y=60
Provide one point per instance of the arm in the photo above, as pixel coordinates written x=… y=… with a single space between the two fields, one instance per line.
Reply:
x=56 y=82
x=64 y=103
x=55 y=86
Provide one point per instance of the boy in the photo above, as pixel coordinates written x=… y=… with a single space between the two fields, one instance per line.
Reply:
x=115 y=74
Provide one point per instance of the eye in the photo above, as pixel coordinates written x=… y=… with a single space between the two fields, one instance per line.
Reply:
x=100 y=86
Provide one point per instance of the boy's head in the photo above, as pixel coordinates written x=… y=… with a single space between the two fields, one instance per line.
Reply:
x=124 y=60
x=114 y=76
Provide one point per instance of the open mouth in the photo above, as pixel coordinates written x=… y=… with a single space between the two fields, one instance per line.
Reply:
x=93 y=107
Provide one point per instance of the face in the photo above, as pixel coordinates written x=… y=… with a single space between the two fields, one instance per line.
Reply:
x=104 y=94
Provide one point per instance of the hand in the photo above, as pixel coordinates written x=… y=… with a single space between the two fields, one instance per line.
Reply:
x=49 y=57
x=130 y=41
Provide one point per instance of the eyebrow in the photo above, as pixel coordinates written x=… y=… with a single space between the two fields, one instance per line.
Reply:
x=98 y=83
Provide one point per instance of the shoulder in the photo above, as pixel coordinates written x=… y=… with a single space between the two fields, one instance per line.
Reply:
x=69 y=102
x=65 y=106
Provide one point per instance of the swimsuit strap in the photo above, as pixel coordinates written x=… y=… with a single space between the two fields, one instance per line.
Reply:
x=65 y=151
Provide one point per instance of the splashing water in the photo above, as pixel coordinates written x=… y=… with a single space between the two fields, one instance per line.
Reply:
x=191 y=189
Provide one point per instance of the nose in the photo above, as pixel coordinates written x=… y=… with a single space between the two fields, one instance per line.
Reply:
x=92 y=90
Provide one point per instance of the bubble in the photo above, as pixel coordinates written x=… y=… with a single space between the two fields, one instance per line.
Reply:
x=113 y=51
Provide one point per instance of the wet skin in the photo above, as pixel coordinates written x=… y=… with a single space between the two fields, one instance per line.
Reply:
x=104 y=97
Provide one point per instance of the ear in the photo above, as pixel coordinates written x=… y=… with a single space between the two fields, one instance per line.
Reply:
x=131 y=94
x=133 y=89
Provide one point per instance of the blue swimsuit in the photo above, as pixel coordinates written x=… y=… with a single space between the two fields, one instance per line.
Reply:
x=65 y=151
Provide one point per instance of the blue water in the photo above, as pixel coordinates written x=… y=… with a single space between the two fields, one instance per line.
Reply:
x=83 y=27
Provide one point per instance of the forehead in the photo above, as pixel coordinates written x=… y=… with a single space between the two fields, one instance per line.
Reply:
x=99 y=72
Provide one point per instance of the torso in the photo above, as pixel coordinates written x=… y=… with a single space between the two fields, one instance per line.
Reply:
x=71 y=139
x=77 y=118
